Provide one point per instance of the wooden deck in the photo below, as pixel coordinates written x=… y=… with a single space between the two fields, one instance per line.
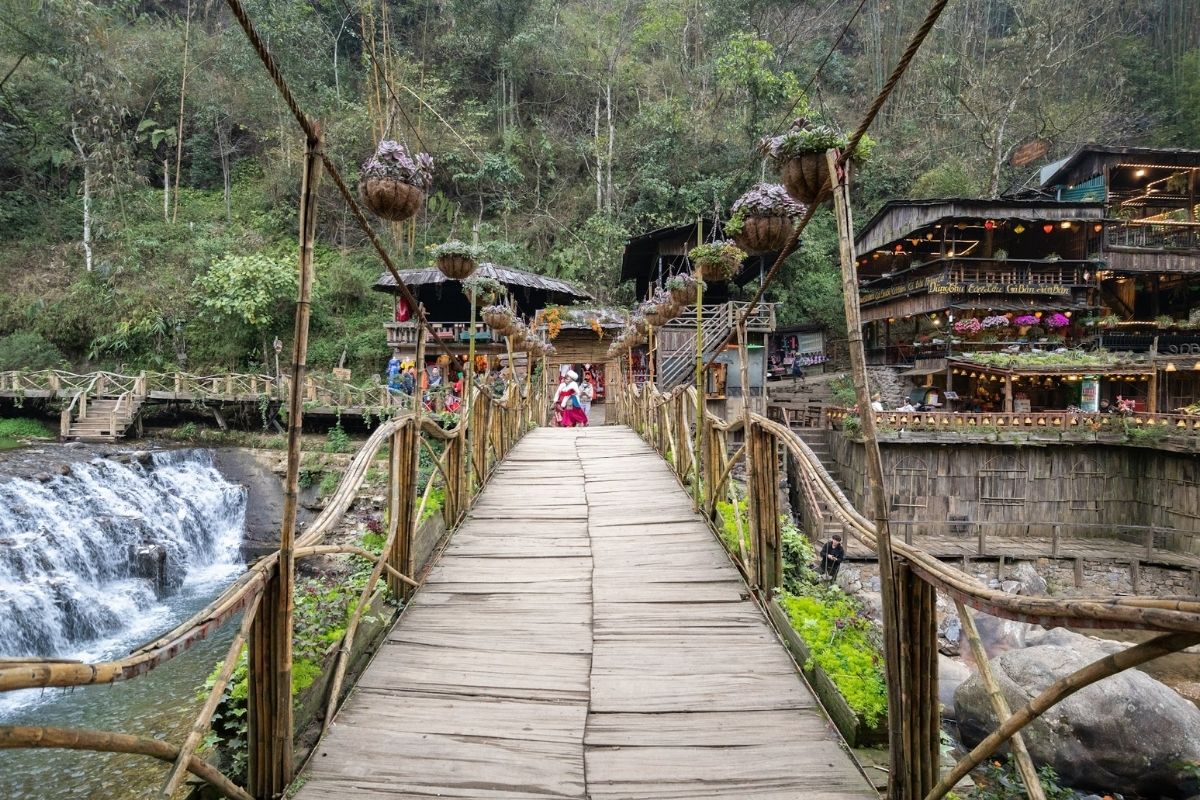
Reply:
x=584 y=636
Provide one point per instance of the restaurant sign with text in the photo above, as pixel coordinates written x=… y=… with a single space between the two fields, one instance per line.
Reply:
x=939 y=284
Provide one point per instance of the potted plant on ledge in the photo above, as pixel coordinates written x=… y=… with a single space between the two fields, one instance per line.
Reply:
x=763 y=218
x=392 y=183
x=799 y=155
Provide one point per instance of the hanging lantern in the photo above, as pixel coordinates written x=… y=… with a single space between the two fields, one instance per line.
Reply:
x=1097 y=227
x=1066 y=226
x=1018 y=228
x=989 y=225
x=1048 y=227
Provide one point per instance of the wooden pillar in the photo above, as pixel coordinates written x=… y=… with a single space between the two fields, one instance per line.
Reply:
x=1008 y=394
x=1152 y=392
x=269 y=723
x=903 y=747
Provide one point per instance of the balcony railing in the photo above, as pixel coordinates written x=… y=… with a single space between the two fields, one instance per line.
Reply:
x=404 y=334
x=1147 y=235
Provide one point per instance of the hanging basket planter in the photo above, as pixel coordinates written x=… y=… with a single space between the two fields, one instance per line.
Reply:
x=456 y=260
x=718 y=261
x=498 y=318
x=683 y=289
x=392 y=182
x=763 y=218
x=517 y=333
x=800 y=157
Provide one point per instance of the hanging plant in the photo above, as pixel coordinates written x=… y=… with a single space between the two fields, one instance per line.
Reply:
x=486 y=290
x=799 y=155
x=763 y=218
x=392 y=183
x=718 y=261
x=668 y=309
x=652 y=313
x=683 y=288
x=548 y=349
x=457 y=260
x=517 y=333
x=497 y=317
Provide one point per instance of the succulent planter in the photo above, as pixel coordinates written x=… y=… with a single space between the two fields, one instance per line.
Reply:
x=856 y=732
x=390 y=198
x=764 y=234
x=806 y=177
x=499 y=319
x=712 y=270
x=456 y=267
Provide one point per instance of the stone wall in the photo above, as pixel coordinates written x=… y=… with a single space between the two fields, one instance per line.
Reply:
x=1094 y=487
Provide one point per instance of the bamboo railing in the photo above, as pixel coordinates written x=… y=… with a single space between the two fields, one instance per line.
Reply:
x=494 y=427
x=664 y=421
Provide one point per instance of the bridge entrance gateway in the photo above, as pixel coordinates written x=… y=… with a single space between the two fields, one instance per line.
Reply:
x=583 y=635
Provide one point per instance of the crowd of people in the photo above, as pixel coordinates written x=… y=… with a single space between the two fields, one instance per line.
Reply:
x=439 y=391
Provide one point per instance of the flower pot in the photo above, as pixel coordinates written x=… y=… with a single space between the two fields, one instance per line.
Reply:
x=456 y=267
x=685 y=296
x=807 y=178
x=390 y=198
x=712 y=271
x=499 y=321
x=764 y=234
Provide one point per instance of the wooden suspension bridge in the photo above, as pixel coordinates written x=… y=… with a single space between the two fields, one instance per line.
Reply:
x=610 y=702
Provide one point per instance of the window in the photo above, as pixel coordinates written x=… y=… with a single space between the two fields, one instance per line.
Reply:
x=1002 y=482
x=910 y=486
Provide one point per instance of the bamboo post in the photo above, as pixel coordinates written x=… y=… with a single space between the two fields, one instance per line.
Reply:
x=469 y=375
x=269 y=724
x=1029 y=776
x=901 y=746
x=699 y=372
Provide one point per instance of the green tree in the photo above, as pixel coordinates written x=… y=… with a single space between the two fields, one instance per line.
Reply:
x=251 y=292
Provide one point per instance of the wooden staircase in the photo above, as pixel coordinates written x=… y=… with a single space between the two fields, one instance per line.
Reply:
x=99 y=419
x=817 y=441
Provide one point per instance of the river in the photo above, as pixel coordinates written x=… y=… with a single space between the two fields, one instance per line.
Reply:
x=72 y=585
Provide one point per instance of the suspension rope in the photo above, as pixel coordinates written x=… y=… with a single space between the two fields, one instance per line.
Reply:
x=313 y=132
x=824 y=61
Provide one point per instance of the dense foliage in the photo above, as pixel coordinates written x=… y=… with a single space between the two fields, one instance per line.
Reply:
x=556 y=128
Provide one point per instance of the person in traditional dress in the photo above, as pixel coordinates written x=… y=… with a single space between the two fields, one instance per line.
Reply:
x=559 y=394
x=569 y=402
x=587 y=393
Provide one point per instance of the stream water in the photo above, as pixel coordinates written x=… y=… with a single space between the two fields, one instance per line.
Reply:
x=93 y=564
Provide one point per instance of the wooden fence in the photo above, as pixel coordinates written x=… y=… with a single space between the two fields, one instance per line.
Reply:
x=669 y=423
x=469 y=455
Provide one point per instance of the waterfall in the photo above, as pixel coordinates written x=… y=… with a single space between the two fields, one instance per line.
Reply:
x=90 y=560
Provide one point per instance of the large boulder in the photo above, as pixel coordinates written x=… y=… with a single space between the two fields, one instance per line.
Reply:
x=1128 y=733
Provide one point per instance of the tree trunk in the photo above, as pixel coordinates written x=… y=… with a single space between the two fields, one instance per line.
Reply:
x=612 y=135
x=599 y=158
x=187 y=29
x=87 y=201
x=166 y=190
x=223 y=146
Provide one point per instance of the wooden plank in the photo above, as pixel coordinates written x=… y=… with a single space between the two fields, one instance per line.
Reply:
x=582 y=616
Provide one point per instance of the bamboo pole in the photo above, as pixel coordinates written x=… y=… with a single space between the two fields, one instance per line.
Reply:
x=22 y=736
x=270 y=661
x=204 y=718
x=1060 y=690
x=878 y=504
x=1029 y=776
x=699 y=370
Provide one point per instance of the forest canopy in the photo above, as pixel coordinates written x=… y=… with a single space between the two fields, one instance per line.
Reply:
x=557 y=130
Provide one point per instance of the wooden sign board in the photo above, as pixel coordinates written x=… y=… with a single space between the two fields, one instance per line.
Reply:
x=1029 y=151
x=341 y=374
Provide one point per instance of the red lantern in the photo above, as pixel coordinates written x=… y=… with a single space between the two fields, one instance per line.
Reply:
x=1048 y=227
x=989 y=225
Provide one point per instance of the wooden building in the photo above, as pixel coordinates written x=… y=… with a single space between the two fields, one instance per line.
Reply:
x=449 y=309
x=1104 y=255
x=581 y=342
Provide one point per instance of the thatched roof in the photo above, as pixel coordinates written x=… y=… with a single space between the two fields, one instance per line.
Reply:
x=562 y=291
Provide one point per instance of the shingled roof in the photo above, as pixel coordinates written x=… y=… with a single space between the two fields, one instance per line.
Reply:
x=431 y=276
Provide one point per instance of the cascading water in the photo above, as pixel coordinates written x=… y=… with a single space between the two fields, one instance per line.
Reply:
x=87 y=558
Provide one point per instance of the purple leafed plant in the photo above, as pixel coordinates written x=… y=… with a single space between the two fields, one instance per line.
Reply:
x=1027 y=319
x=1056 y=320
x=392 y=160
x=767 y=200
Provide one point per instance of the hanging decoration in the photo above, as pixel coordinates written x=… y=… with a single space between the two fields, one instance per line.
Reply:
x=393 y=183
x=457 y=260
x=762 y=219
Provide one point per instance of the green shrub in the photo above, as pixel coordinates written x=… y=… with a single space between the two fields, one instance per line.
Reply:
x=841 y=639
x=23 y=428
x=29 y=350
x=729 y=528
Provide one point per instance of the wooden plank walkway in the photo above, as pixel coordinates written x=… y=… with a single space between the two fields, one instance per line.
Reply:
x=583 y=636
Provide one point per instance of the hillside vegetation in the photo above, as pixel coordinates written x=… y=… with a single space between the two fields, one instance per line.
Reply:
x=558 y=128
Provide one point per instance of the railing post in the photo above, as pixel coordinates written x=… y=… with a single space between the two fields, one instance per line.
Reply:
x=982 y=538
x=1150 y=533
x=402 y=499
x=269 y=721
x=1056 y=531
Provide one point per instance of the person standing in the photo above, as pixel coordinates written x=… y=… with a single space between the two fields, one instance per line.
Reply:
x=587 y=393
x=572 y=408
x=831 y=557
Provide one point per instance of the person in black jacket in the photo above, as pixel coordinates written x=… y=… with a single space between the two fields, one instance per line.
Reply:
x=831 y=557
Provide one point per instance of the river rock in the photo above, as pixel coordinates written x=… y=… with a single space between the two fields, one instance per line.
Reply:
x=850 y=580
x=951 y=675
x=1031 y=583
x=64 y=469
x=43 y=477
x=1127 y=733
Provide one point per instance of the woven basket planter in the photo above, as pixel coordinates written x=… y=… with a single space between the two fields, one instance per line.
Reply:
x=764 y=234
x=391 y=198
x=456 y=268
x=685 y=296
x=713 y=271
x=498 y=321
x=807 y=178
x=517 y=335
